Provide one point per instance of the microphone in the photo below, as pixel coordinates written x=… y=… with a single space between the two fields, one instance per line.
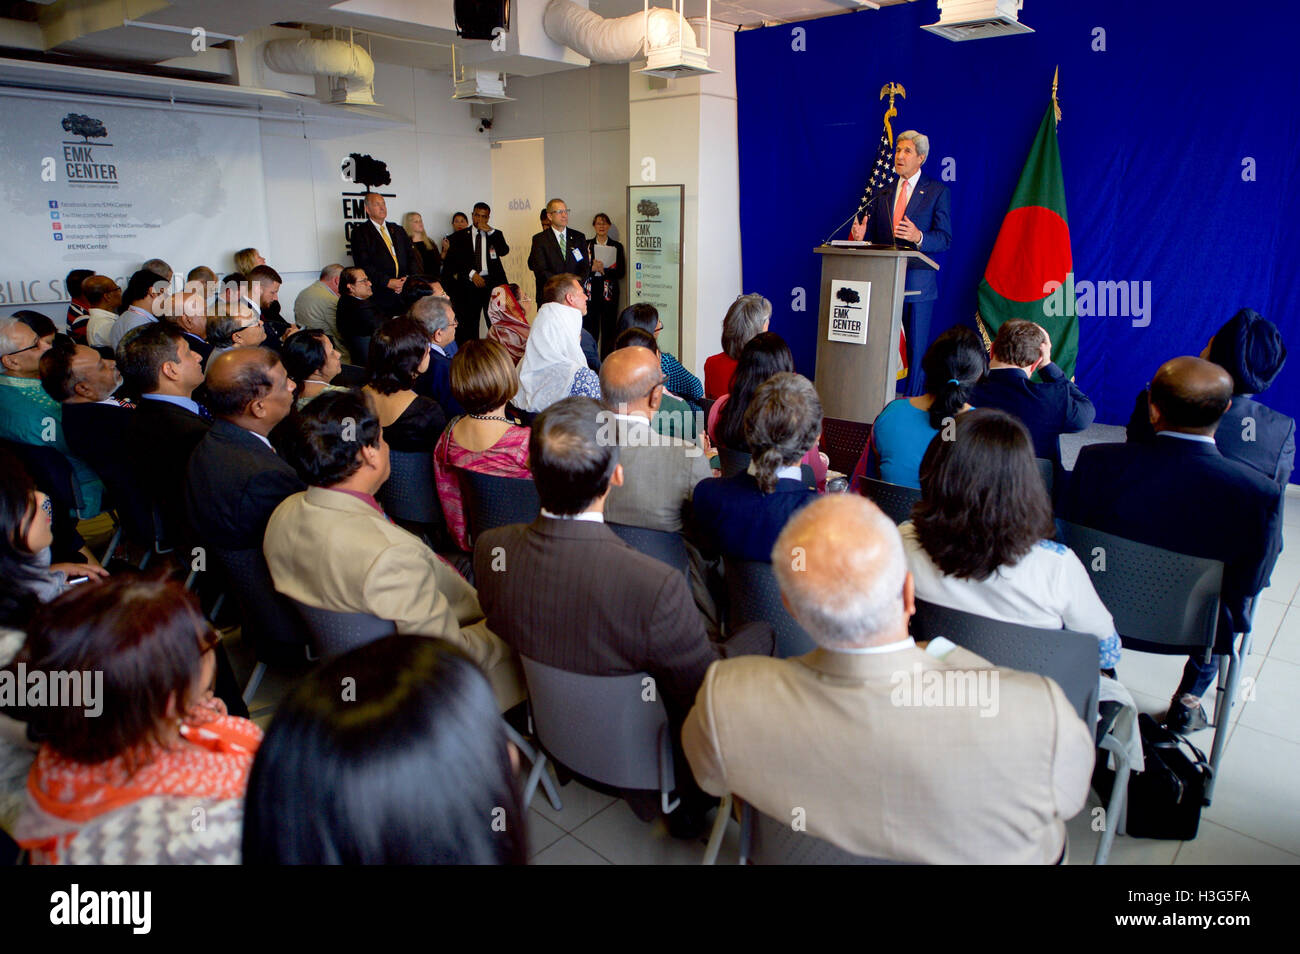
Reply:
x=862 y=207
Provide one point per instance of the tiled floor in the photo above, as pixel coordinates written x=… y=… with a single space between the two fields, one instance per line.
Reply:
x=1254 y=819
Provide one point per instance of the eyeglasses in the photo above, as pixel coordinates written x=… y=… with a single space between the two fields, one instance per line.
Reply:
x=28 y=348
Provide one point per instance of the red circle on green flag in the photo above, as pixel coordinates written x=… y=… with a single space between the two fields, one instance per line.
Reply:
x=1032 y=250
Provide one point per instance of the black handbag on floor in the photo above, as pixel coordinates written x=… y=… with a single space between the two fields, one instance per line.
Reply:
x=1166 y=797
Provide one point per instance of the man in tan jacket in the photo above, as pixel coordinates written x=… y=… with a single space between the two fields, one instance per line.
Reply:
x=333 y=547
x=874 y=744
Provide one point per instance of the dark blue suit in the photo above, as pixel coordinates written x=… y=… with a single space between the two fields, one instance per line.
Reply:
x=930 y=209
x=738 y=520
x=1187 y=497
x=436 y=383
x=1048 y=408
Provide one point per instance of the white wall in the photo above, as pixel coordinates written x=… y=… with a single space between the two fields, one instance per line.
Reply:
x=438 y=160
x=582 y=115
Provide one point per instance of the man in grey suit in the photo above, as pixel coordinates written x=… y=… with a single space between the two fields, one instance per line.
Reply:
x=870 y=742
x=659 y=472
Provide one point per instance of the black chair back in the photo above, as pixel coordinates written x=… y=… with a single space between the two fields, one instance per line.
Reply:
x=844 y=441
x=753 y=595
x=492 y=502
x=1163 y=602
x=409 y=495
x=733 y=461
x=663 y=546
x=333 y=633
x=1048 y=470
x=1070 y=658
x=895 y=501
x=267 y=620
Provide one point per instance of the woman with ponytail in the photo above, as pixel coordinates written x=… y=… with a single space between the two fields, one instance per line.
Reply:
x=904 y=429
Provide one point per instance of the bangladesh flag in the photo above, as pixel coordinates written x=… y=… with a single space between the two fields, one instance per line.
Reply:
x=1029 y=273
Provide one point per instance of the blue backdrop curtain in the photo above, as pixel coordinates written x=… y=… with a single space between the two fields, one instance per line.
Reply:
x=1157 y=131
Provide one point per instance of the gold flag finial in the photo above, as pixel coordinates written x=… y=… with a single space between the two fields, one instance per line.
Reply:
x=1056 y=79
x=892 y=90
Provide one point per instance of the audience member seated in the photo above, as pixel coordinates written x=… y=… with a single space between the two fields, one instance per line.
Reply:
x=143 y=289
x=264 y=287
x=237 y=329
x=981 y=538
x=161 y=371
x=158 y=730
x=412 y=772
x=840 y=737
x=1180 y=493
x=104 y=298
x=45 y=330
x=677 y=380
x=188 y=311
x=749 y=315
x=356 y=313
x=905 y=428
x=95 y=424
x=484 y=440
x=333 y=547
x=27 y=577
x=312 y=362
x=316 y=307
x=674 y=417
x=399 y=353
x=659 y=473
x=436 y=315
x=507 y=320
x=78 y=307
x=554 y=366
x=740 y=516
x=1050 y=407
x=637 y=612
x=159 y=268
x=235 y=479
x=1250 y=348
x=246 y=259
x=766 y=354
x=28 y=415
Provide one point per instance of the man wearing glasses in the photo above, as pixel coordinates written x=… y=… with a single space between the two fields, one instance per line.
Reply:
x=28 y=415
x=558 y=249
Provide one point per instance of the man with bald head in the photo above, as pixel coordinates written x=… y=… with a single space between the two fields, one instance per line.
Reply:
x=104 y=297
x=1182 y=494
x=877 y=746
x=235 y=478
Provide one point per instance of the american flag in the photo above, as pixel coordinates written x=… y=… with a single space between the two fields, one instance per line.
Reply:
x=882 y=170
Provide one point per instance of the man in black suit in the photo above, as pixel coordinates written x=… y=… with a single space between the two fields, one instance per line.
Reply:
x=160 y=369
x=234 y=482
x=638 y=614
x=558 y=249
x=440 y=323
x=1048 y=408
x=264 y=297
x=474 y=266
x=357 y=315
x=385 y=251
x=1181 y=494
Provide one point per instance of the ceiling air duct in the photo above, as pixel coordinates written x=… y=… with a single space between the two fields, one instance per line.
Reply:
x=978 y=19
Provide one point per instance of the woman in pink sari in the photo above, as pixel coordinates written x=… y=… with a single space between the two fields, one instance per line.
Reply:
x=509 y=323
x=483 y=439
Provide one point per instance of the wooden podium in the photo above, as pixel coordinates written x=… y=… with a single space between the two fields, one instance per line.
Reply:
x=856 y=380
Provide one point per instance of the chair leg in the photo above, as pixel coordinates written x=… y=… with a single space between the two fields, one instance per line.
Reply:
x=112 y=546
x=1227 y=698
x=537 y=773
x=1118 y=799
x=189 y=580
x=254 y=681
x=216 y=607
x=665 y=771
x=719 y=829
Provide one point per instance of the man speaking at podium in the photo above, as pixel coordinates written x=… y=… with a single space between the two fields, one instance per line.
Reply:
x=915 y=213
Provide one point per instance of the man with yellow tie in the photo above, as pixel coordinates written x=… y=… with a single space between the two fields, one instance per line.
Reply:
x=386 y=254
x=916 y=213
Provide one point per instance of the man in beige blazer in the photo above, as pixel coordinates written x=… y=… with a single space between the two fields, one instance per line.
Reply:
x=333 y=547
x=874 y=744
